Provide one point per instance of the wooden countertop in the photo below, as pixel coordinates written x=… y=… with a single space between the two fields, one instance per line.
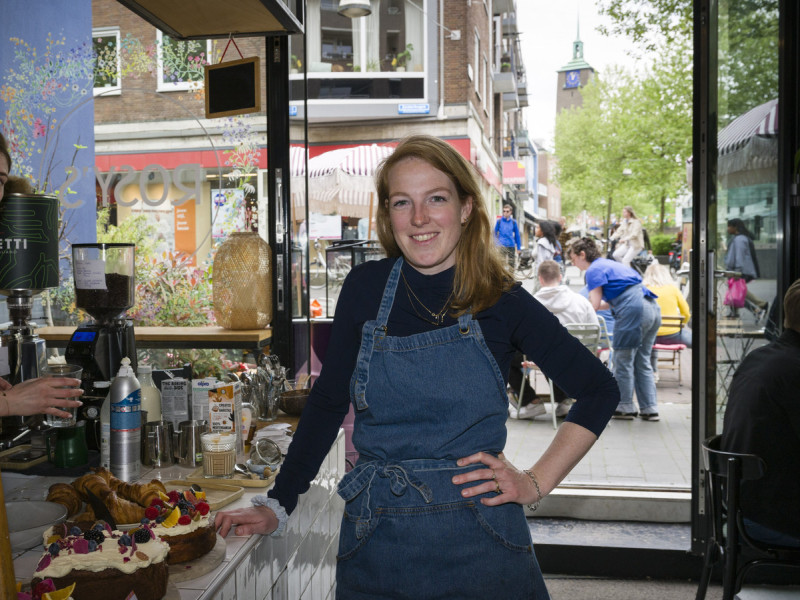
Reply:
x=186 y=337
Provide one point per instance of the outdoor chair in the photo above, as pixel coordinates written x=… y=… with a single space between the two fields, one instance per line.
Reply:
x=728 y=539
x=589 y=335
x=673 y=360
x=605 y=344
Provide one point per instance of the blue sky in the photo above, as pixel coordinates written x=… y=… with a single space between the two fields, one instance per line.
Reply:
x=547 y=30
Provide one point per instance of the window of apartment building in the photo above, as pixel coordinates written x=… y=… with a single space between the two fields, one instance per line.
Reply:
x=389 y=40
x=476 y=61
x=105 y=44
x=180 y=64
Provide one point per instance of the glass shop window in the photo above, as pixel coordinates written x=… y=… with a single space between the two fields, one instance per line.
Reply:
x=180 y=63
x=106 y=46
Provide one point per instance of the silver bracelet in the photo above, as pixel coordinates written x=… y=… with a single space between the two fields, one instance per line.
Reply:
x=274 y=506
x=535 y=505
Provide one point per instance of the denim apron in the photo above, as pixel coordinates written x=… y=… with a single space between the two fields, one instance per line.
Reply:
x=423 y=401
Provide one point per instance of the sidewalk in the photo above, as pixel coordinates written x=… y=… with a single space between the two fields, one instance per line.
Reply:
x=637 y=454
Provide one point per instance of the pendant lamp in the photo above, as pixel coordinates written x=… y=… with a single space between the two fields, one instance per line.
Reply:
x=354 y=8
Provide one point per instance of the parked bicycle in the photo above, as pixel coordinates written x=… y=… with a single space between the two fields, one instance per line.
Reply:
x=525 y=263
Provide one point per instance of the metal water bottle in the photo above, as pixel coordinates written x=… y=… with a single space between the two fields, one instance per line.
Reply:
x=126 y=424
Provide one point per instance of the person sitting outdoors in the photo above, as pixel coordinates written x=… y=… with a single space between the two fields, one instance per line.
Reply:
x=629 y=236
x=763 y=418
x=568 y=307
x=658 y=280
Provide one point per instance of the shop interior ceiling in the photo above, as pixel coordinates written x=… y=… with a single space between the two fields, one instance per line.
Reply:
x=204 y=19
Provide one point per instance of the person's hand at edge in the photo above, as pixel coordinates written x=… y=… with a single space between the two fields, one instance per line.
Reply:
x=246 y=521
x=44 y=395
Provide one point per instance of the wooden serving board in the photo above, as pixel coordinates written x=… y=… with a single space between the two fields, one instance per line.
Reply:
x=237 y=479
x=198 y=567
x=217 y=494
x=24 y=452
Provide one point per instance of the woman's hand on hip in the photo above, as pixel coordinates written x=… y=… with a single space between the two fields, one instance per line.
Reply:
x=500 y=476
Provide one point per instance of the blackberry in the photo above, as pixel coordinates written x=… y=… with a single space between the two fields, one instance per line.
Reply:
x=142 y=536
x=94 y=535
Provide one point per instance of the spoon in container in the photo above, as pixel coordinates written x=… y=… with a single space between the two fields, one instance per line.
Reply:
x=240 y=468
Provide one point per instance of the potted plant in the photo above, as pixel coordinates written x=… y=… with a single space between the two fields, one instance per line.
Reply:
x=399 y=61
x=505 y=67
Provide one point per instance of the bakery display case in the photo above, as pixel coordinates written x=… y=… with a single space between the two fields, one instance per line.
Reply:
x=340 y=258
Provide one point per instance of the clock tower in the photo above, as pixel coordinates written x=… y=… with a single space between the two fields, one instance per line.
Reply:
x=572 y=77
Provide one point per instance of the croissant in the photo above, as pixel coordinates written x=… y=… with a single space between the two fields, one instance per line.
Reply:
x=66 y=495
x=140 y=493
x=92 y=483
x=123 y=511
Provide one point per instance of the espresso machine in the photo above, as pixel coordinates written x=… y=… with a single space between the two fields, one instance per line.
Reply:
x=28 y=265
x=104 y=288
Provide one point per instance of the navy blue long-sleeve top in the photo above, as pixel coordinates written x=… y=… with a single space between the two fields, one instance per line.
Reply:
x=516 y=322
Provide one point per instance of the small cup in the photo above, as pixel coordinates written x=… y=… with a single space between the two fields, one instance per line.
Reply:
x=62 y=370
x=219 y=454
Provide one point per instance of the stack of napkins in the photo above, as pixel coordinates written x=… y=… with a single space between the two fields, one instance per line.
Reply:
x=278 y=433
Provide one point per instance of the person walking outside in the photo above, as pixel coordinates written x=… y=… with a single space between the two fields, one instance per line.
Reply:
x=629 y=236
x=420 y=345
x=637 y=318
x=506 y=233
x=741 y=257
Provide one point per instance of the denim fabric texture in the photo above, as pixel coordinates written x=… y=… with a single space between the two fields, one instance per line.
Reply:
x=636 y=323
x=423 y=401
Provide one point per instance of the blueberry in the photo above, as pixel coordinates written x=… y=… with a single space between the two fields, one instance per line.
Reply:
x=144 y=521
x=74 y=530
x=92 y=545
x=125 y=540
x=53 y=549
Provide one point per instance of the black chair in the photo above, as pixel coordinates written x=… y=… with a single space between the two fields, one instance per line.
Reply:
x=728 y=540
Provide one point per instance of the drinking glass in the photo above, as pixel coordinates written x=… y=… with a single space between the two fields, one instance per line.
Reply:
x=62 y=370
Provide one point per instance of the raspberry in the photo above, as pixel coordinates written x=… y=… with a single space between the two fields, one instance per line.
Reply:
x=184 y=520
x=94 y=535
x=142 y=536
x=203 y=508
x=151 y=512
x=174 y=496
x=156 y=502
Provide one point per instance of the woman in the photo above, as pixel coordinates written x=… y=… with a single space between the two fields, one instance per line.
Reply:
x=636 y=321
x=629 y=236
x=546 y=246
x=741 y=257
x=420 y=343
x=670 y=300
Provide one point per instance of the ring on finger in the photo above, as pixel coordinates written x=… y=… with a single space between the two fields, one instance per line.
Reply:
x=497 y=488
x=494 y=475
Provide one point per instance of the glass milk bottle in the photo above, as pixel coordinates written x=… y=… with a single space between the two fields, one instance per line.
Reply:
x=151 y=397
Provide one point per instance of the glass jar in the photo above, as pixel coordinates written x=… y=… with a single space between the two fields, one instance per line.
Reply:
x=219 y=454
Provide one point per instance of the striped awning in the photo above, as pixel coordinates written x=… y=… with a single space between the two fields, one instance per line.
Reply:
x=342 y=181
x=761 y=121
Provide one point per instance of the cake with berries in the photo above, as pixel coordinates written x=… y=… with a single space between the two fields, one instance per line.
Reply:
x=182 y=520
x=103 y=563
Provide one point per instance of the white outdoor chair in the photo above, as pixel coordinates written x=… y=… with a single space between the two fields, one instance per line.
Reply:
x=589 y=335
x=605 y=344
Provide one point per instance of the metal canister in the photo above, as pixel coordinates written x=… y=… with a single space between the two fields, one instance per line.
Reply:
x=126 y=424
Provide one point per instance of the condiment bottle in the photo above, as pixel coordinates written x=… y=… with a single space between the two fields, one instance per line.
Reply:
x=151 y=397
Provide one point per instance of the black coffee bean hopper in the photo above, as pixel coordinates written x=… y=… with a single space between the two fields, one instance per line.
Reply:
x=104 y=288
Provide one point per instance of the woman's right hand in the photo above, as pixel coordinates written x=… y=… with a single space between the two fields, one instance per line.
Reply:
x=40 y=396
x=247 y=521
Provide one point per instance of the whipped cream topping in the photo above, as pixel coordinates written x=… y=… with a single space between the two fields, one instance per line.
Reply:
x=161 y=531
x=107 y=555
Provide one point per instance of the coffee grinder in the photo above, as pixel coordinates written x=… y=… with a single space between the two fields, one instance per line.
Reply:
x=104 y=288
x=28 y=265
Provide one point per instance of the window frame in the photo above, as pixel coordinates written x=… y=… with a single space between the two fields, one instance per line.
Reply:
x=108 y=90
x=176 y=86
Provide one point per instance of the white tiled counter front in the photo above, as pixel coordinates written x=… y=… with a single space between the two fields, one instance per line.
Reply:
x=300 y=565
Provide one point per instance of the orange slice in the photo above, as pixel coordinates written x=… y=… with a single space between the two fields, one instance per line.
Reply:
x=172 y=519
x=62 y=594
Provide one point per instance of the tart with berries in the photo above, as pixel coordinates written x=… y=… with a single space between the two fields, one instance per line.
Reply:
x=103 y=563
x=182 y=519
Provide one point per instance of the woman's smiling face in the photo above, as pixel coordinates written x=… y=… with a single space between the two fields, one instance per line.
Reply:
x=426 y=215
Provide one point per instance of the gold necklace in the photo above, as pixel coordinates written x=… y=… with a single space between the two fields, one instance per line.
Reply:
x=438 y=318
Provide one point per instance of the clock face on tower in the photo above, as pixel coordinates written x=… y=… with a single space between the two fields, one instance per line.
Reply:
x=572 y=79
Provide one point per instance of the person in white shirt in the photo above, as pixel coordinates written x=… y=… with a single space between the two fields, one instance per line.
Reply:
x=630 y=236
x=569 y=307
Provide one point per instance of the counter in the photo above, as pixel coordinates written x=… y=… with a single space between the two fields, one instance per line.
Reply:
x=298 y=566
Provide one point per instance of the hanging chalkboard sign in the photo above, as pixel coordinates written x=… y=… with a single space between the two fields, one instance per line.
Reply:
x=233 y=87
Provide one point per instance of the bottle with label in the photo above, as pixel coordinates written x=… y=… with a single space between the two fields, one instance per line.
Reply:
x=102 y=387
x=126 y=424
x=151 y=397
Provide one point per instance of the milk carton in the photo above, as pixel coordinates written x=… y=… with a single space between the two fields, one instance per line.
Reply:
x=200 y=390
x=175 y=400
x=225 y=411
